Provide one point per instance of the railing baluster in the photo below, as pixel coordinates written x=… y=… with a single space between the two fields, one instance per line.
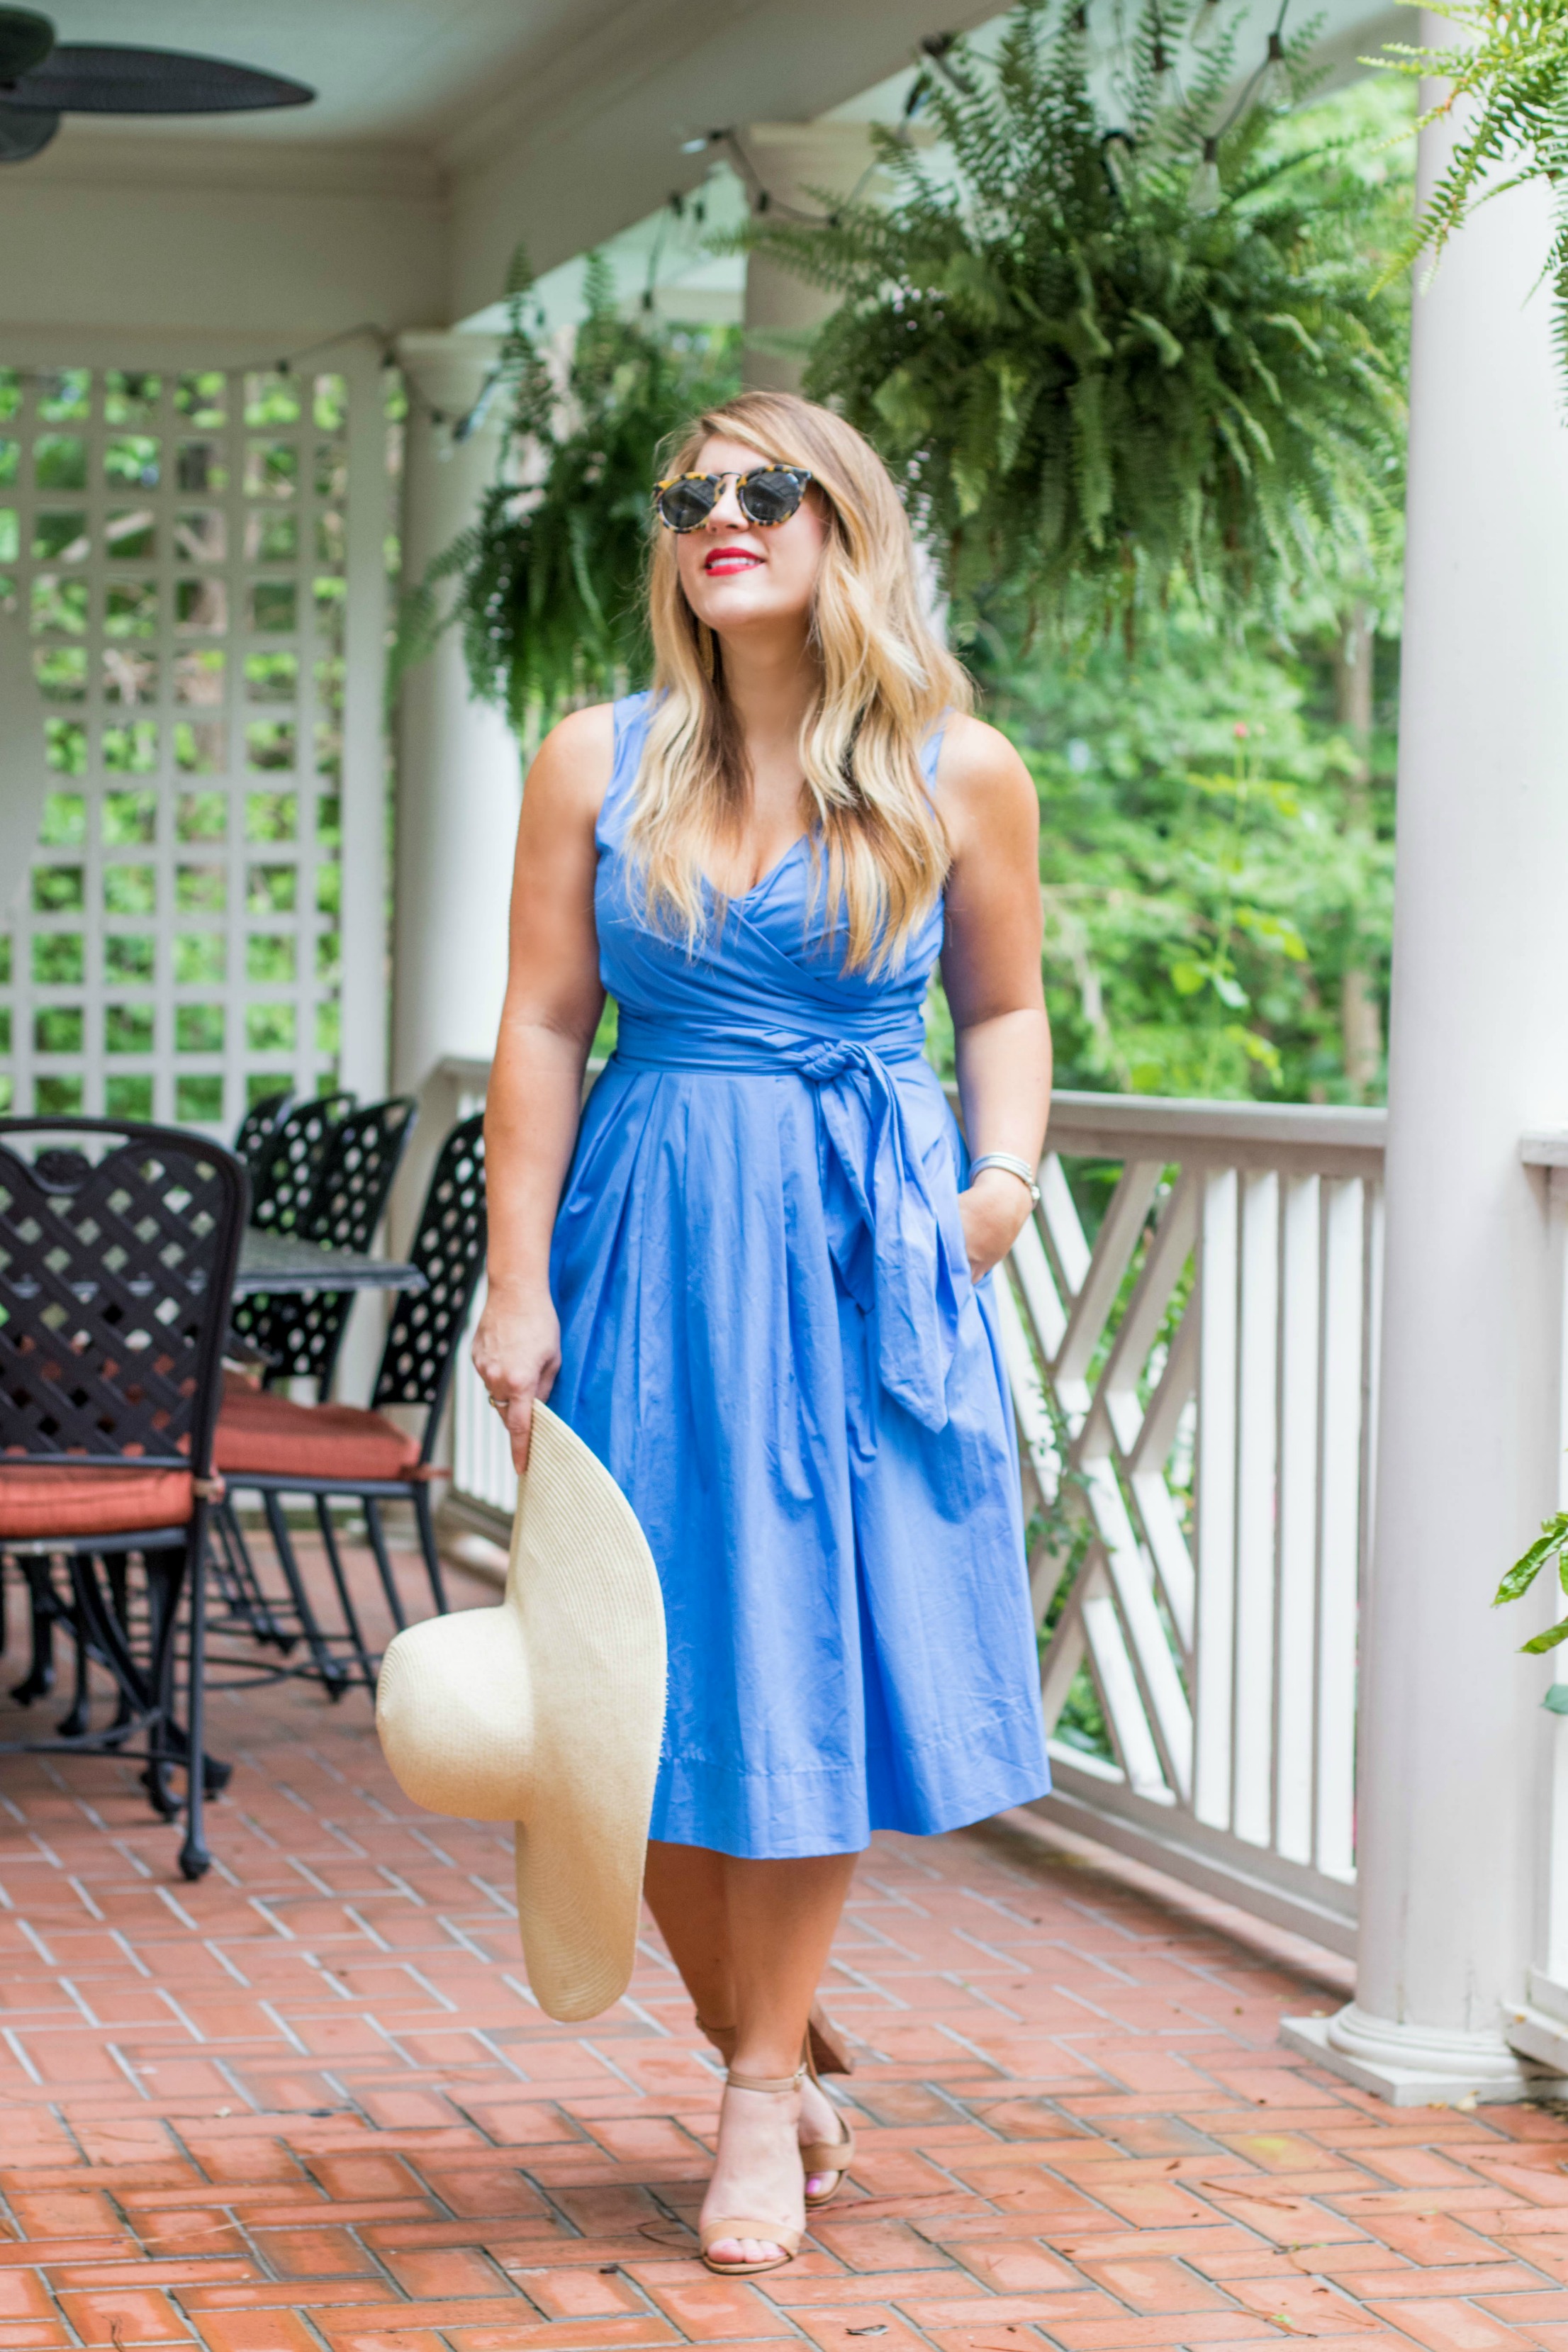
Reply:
x=1257 y=1466
x=1063 y=1226
x=1213 y=1664
x=1296 y=1680
x=1340 y=1553
x=1148 y=1477
x=1118 y=1238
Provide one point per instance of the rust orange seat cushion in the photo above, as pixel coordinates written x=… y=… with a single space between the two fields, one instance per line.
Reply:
x=83 y=1498
x=273 y=1436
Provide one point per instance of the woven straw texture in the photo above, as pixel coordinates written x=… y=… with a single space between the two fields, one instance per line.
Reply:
x=548 y=1712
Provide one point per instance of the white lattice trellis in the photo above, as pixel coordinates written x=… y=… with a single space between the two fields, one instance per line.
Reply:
x=195 y=577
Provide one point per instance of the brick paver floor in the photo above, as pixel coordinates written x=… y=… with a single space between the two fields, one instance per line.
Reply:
x=310 y=2103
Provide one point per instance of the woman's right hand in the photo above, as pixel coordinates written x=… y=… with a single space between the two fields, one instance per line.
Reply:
x=517 y=1354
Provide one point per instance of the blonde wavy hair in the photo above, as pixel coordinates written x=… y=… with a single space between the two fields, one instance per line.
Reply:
x=884 y=680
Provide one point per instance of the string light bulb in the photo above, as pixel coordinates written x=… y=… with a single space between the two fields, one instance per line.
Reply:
x=1204 y=22
x=1274 y=91
x=1204 y=194
x=1116 y=148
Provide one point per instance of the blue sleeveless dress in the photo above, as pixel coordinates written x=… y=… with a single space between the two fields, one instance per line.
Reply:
x=771 y=1340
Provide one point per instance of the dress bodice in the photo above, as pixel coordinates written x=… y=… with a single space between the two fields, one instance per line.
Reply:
x=763 y=992
x=769 y=957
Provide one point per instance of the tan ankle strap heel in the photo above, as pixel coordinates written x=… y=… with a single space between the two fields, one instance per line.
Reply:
x=832 y=2157
x=754 y=2227
x=777 y=2082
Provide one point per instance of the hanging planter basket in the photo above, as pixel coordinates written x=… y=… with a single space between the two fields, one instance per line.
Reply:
x=1107 y=351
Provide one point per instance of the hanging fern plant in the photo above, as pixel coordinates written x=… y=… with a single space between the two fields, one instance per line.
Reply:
x=546 y=584
x=1109 y=352
x=1510 y=65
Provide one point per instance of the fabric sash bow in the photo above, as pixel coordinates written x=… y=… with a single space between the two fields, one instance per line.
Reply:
x=898 y=1258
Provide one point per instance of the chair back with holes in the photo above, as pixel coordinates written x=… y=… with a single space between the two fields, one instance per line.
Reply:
x=449 y=1251
x=291 y=1169
x=253 y=1138
x=303 y=1333
x=118 y=1250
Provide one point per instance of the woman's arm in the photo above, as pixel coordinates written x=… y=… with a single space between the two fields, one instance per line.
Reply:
x=991 y=970
x=553 y=999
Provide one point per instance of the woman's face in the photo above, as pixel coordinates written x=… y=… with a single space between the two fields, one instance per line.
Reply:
x=739 y=577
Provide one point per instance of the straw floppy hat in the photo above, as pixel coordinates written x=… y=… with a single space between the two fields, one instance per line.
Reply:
x=548 y=1712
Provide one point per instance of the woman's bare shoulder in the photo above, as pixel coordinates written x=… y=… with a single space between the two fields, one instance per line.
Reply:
x=982 y=784
x=571 y=769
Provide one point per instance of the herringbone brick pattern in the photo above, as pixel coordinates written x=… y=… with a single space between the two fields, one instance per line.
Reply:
x=309 y=2104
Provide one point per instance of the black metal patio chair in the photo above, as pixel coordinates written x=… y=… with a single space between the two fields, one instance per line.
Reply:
x=284 y=1184
x=299 y=1337
x=270 y=1444
x=301 y=1334
x=253 y=1138
x=118 y=1248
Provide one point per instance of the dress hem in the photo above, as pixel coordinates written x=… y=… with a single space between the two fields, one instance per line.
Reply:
x=705 y=1809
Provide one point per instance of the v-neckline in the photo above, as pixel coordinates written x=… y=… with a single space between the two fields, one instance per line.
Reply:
x=744 y=898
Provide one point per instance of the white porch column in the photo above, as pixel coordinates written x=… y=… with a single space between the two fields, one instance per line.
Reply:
x=1452 y=1751
x=794 y=160
x=458 y=783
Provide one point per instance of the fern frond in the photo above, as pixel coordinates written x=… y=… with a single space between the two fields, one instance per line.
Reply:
x=1088 y=389
x=546 y=597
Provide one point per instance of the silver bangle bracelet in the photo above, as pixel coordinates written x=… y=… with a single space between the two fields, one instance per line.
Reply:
x=1015 y=1167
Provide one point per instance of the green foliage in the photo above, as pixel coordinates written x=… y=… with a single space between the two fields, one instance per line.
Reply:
x=1214 y=859
x=547 y=580
x=1509 y=92
x=1552 y=1544
x=1089 y=386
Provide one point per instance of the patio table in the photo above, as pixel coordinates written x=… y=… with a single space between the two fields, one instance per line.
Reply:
x=280 y=1263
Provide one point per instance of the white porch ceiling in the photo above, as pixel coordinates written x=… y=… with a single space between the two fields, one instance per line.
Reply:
x=405 y=71
x=446 y=133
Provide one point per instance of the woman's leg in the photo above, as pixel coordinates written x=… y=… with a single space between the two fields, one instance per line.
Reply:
x=686 y=1892
x=781 y=1918
x=687 y=1888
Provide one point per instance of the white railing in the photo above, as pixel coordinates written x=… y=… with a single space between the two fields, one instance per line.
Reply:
x=1194 y=1395
x=1192 y=1376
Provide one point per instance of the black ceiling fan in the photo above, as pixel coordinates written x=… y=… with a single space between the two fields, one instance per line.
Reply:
x=40 y=79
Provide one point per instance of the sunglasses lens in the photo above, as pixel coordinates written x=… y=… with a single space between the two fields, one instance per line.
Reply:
x=684 y=505
x=771 y=495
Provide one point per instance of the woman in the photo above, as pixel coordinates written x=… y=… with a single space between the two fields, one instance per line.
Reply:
x=748 y=1278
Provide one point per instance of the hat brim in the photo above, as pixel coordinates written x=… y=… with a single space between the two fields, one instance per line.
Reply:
x=584 y=1581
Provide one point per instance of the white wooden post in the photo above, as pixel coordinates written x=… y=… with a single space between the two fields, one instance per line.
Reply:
x=458 y=776
x=363 y=1053
x=458 y=787
x=1452 y=1753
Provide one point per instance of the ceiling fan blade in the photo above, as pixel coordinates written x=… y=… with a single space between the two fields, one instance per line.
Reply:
x=25 y=41
x=24 y=134
x=81 y=77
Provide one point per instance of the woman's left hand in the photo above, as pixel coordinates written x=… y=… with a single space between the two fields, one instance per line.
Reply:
x=993 y=1210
